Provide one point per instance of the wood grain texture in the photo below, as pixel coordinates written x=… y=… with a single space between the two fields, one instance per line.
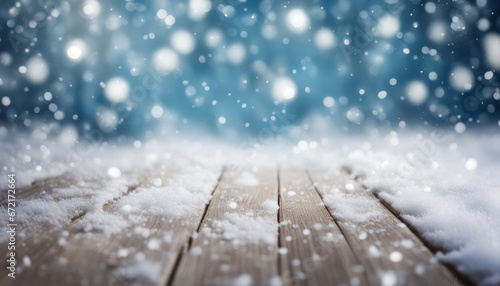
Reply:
x=214 y=260
x=311 y=237
x=40 y=188
x=390 y=252
x=366 y=244
x=143 y=253
x=41 y=240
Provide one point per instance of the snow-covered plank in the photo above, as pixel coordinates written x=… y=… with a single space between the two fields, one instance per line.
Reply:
x=313 y=249
x=134 y=239
x=46 y=212
x=391 y=254
x=461 y=277
x=237 y=241
x=42 y=186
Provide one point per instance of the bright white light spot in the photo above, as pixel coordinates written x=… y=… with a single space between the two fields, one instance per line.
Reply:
x=437 y=32
x=373 y=251
x=236 y=53
x=297 y=21
x=198 y=9
x=91 y=8
x=416 y=92
x=59 y=115
x=222 y=120
x=74 y=52
x=491 y=43
x=170 y=20
x=328 y=101
x=68 y=135
x=419 y=269
x=157 y=181
x=396 y=256
x=488 y=75
x=355 y=115
x=165 y=60
x=183 y=42
x=302 y=145
x=76 y=49
x=114 y=172
x=213 y=38
x=154 y=244
x=47 y=96
x=161 y=14
x=284 y=89
x=460 y=127
x=471 y=164
x=382 y=94
x=387 y=26
x=107 y=120
x=5 y=101
x=483 y=24
x=433 y=76
x=117 y=89
x=461 y=79
x=388 y=279
x=5 y=58
x=363 y=235
x=122 y=252
x=37 y=70
x=157 y=111
x=430 y=7
x=325 y=39
x=22 y=69
x=27 y=261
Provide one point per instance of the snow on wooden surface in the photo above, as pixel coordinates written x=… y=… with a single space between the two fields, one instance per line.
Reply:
x=133 y=211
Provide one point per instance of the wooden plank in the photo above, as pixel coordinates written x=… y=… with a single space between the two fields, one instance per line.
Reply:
x=143 y=253
x=221 y=254
x=461 y=279
x=39 y=187
x=40 y=241
x=316 y=250
x=44 y=188
x=390 y=252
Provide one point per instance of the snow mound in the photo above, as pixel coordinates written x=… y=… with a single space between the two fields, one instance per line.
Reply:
x=245 y=228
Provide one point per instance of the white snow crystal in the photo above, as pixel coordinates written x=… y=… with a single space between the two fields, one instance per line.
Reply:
x=247 y=228
x=246 y=179
x=491 y=44
x=27 y=261
x=351 y=207
x=270 y=206
x=243 y=280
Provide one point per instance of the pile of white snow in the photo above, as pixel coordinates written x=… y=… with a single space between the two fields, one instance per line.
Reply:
x=445 y=184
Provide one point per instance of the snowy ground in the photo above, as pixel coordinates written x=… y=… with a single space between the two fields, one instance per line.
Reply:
x=446 y=185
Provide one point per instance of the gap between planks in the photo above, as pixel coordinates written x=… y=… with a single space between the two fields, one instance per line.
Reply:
x=187 y=246
x=463 y=279
x=438 y=273
x=232 y=260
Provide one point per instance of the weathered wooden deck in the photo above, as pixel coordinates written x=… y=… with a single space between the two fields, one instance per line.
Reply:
x=311 y=247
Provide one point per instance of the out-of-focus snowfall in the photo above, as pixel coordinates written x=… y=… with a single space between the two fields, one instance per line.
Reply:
x=234 y=67
x=403 y=92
